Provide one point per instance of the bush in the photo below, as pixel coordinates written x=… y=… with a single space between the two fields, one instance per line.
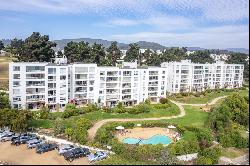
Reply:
x=243 y=88
x=91 y=108
x=161 y=106
x=184 y=94
x=164 y=100
x=178 y=95
x=232 y=139
x=59 y=126
x=183 y=147
x=147 y=101
x=209 y=156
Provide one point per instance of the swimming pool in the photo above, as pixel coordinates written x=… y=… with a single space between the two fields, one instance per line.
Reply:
x=156 y=139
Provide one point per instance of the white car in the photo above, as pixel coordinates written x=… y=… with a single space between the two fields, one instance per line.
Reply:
x=65 y=148
x=34 y=143
x=6 y=137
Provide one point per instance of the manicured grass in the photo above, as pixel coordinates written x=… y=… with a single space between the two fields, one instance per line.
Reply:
x=194 y=116
x=98 y=115
x=204 y=99
x=233 y=152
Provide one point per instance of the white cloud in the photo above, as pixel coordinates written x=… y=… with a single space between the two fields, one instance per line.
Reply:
x=159 y=22
x=220 y=37
x=218 y=10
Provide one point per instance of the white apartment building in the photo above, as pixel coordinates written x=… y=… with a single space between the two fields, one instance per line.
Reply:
x=32 y=84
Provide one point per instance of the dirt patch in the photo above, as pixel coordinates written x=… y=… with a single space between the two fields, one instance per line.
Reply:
x=21 y=155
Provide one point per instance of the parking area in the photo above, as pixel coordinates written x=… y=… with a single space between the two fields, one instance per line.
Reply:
x=21 y=155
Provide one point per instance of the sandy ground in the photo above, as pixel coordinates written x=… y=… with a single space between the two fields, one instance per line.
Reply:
x=21 y=155
x=145 y=133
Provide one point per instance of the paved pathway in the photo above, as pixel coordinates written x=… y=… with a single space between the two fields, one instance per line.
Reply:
x=92 y=131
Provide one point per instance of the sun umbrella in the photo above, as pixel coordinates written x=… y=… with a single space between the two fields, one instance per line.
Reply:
x=119 y=128
x=138 y=125
x=171 y=127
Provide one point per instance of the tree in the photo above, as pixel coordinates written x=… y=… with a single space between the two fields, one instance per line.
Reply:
x=1 y=45
x=201 y=57
x=4 y=100
x=19 y=124
x=114 y=53
x=77 y=52
x=59 y=54
x=173 y=54
x=35 y=48
x=133 y=53
x=15 y=47
x=97 y=54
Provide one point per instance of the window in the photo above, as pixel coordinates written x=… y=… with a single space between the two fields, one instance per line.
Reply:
x=16 y=83
x=62 y=77
x=16 y=91
x=135 y=73
x=81 y=69
x=91 y=69
x=62 y=71
x=16 y=68
x=34 y=68
x=51 y=70
x=102 y=73
x=16 y=76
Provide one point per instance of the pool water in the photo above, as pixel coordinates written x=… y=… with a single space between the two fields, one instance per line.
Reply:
x=156 y=139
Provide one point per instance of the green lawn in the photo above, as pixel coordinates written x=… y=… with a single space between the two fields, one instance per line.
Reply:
x=207 y=98
x=98 y=115
x=194 y=116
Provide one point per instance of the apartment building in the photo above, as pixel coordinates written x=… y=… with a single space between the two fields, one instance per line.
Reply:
x=186 y=76
x=55 y=84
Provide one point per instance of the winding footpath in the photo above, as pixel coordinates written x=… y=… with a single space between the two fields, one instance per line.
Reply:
x=92 y=131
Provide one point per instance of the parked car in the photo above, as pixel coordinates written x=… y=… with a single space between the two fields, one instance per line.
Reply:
x=46 y=147
x=97 y=156
x=6 y=137
x=14 y=137
x=76 y=153
x=34 y=143
x=65 y=148
x=21 y=140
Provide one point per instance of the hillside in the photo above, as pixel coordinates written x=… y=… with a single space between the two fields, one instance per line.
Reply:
x=143 y=44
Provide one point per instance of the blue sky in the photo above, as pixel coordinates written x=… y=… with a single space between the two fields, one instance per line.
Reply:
x=201 y=23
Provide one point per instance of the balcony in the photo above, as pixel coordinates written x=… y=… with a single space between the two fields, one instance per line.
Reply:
x=112 y=73
x=126 y=97
x=126 y=92
x=126 y=79
x=112 y=92
x=112 y=97
x=111 y=79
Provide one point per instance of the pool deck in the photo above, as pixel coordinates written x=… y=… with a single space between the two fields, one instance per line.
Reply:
x=145 y=133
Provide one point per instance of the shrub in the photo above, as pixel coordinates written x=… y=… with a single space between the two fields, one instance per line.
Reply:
x=147 y=101
x=83 y=123
x=161 y=106
x=178 y=95
x=164 y=100
x=59 y=126
x=209 y=156
x=242 y=88
x=91 y=108
x=184 y=94
x=197 y=94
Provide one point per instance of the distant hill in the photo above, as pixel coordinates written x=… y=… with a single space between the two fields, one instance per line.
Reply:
x=106 y=43
x=143 y=44
x=241 y=50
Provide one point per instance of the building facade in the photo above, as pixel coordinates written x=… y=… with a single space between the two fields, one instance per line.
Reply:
x=32 y=85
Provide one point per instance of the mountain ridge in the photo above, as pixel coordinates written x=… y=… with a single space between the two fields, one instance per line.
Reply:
x=143 y=44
